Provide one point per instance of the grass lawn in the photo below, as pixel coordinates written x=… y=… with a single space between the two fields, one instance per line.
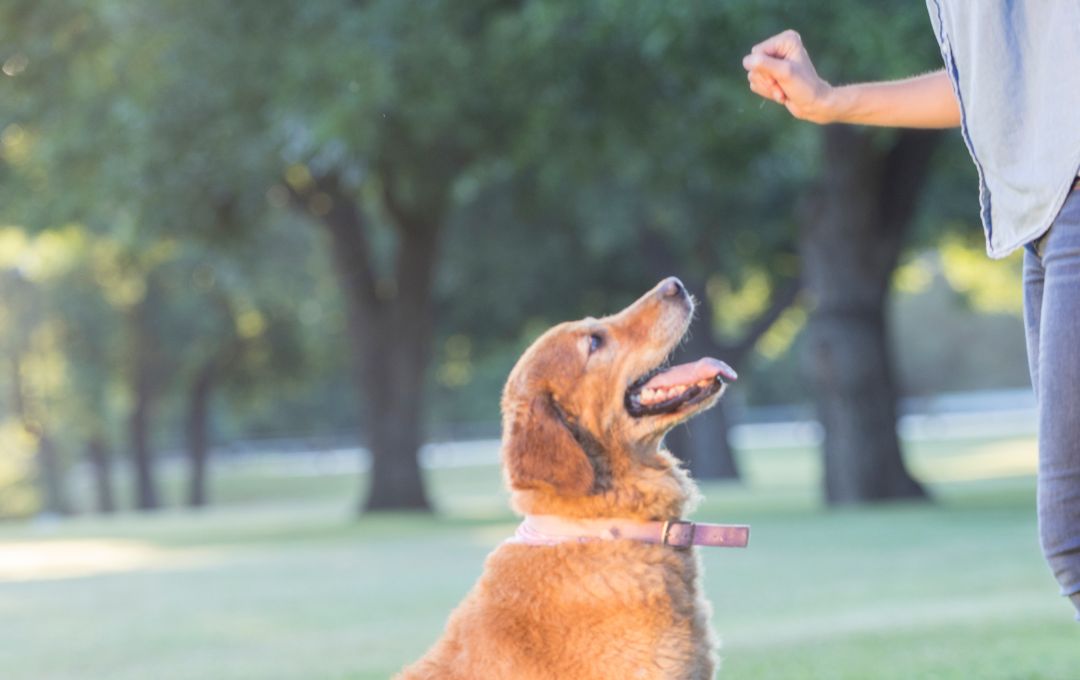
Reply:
x=280 y=581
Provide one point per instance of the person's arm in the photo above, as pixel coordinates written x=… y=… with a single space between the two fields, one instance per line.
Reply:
x=780 y=69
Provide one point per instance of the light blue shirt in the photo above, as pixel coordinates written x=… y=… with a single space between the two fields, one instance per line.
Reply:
x=1015 y=67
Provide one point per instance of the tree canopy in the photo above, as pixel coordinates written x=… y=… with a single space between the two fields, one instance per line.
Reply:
x=328 y=214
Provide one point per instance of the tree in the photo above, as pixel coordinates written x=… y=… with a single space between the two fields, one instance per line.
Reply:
x=858 y=204
x=854 y=219
x=85 y=301
x=375 y=171
x=638 y=145
x=851 y=236
x=28 y=404
x=120 y=179
x=52 y=147
x=239 y=333
x=30 y=343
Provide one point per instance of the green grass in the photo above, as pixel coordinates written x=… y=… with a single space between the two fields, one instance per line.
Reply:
x=280 y=581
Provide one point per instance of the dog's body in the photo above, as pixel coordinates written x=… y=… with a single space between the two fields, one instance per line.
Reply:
x=584 y=415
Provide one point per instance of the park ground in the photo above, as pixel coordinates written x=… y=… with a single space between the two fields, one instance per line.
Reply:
x=280 y=580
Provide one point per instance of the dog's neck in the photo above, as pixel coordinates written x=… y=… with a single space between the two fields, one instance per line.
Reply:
x=644 y=493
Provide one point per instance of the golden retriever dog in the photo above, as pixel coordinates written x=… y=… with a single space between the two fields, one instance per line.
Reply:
x=601 y=579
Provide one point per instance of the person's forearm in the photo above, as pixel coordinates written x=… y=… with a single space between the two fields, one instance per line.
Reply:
x=925 y=101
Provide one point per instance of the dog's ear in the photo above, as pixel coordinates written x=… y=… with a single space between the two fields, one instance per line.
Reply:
x=539 y=449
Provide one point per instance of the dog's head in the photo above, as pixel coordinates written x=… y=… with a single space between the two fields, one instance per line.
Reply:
x=587 y=405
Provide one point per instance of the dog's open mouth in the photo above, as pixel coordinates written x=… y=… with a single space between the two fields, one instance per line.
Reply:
x=669 y=389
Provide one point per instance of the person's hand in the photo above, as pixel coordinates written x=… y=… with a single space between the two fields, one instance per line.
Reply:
x=780 y=69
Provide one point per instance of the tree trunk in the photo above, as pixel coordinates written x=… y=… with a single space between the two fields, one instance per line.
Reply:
x=396 y=365
x=389 y=328
x=144 y=397
x=101 y=467
x=51 y=469
x=142 y=453
x=395 y=387
x=852 y=373
x=197 y=431
x=850 y=242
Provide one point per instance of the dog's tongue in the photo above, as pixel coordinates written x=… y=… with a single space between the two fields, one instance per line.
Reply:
x=688 y=374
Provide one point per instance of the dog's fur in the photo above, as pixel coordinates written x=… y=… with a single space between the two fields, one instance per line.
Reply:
x=602 y=608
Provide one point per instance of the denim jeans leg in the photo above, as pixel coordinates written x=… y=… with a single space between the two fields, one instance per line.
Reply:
x=1053 y=333
x=1033 y=296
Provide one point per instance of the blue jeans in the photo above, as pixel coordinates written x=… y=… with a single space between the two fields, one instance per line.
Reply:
x=1052 y=323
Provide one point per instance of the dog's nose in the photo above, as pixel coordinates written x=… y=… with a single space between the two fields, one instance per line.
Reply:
x=672 y=287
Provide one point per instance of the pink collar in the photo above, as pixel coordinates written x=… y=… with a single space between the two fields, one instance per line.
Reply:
x=551 y=530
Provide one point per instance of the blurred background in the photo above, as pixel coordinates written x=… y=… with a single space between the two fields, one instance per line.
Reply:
x=265 y=265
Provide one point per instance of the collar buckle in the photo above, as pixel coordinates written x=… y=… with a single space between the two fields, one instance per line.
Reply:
x=665 y=534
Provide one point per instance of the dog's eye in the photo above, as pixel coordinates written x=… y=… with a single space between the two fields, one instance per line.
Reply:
x=596 y=341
